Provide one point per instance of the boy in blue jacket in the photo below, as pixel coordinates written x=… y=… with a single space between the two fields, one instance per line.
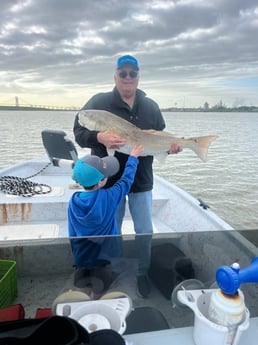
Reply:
x=92 y=216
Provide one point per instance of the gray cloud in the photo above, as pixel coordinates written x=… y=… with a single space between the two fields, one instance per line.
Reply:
x=186 y=49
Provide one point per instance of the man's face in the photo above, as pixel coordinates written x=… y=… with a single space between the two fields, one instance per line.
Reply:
x=126 y=79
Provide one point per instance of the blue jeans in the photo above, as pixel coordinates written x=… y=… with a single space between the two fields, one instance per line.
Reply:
x=140 y=206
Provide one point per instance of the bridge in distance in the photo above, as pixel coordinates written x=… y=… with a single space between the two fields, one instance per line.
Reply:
x=24 y=105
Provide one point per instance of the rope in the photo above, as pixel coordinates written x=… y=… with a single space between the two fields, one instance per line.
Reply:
x=21 y=186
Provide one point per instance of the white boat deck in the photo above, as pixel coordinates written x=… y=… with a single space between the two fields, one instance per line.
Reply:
x=22 y=217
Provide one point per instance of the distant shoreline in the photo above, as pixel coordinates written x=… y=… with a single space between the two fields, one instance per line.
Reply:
x=244 y=109
x=21 y=108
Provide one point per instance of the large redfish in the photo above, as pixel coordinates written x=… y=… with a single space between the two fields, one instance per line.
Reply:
x=155 y=143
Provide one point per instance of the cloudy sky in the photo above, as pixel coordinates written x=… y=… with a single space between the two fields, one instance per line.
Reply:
x=61 y=52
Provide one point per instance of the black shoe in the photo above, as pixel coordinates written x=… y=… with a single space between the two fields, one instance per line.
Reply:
x=143 y=286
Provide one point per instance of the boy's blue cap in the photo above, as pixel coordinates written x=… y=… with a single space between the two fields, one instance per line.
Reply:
x=89 y=170
x=127 y=60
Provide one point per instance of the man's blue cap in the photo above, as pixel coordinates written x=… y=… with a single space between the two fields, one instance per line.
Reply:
x=127 y=60
x=89 y=170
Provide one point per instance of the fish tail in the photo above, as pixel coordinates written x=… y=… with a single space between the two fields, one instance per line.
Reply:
x=201 y=145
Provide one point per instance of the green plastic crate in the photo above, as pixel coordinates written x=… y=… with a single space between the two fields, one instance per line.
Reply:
x=8 y=282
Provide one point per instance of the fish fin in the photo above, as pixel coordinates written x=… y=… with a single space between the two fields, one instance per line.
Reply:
x=111 y=152
x=201 y=145
x=123 y=149
x=161 y=157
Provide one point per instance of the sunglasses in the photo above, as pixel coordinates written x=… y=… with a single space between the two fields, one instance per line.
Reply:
x=123 y=74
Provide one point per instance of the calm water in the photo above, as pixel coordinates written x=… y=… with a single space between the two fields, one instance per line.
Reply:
x=228 y=181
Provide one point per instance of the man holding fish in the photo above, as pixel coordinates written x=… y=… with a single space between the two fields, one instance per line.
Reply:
x=131 y=104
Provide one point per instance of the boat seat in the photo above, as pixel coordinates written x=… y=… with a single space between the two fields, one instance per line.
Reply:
x=145 y=319
x=59 y=147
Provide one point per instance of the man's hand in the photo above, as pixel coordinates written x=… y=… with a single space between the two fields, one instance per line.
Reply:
x=175 y=148
x=111 y=141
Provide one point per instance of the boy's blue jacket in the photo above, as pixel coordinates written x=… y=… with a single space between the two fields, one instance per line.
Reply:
x=94 y=214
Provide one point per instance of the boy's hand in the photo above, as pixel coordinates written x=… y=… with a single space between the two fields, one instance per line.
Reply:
x=137 y=150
